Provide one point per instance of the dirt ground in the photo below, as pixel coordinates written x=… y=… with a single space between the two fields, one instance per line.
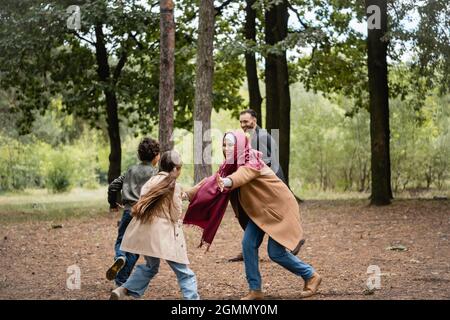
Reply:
x=343 y=239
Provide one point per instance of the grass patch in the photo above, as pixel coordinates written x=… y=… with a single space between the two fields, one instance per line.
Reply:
x=40 y=205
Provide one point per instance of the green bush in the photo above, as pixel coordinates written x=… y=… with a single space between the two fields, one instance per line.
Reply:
x=19 y=164
x=84 y=156
x=59 y=173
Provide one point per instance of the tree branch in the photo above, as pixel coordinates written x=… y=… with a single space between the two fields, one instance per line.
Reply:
x=140 y=45
x=120 y=65
x=76 y=34
x=123 y=57
x=304 y=25
x=313 y=52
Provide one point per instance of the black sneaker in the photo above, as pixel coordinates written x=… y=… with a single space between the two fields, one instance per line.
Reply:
x=115 y=268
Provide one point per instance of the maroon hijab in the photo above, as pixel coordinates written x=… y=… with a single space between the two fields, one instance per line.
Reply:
x=208 y=205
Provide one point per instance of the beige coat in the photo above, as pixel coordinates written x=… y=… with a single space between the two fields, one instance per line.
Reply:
x=270 y=204
x=160 y=238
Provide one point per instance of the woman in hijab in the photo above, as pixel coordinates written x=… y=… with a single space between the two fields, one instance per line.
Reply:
x=265 y=200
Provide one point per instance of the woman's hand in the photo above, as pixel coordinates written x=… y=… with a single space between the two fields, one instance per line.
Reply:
x=220 y=183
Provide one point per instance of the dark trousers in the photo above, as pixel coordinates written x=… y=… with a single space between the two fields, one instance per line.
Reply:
x=131 y=258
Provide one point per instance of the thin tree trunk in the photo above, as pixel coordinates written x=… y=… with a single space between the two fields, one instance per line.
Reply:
x=167 y=74
x=379 y=108
x=203 y=91
x=250 y=62
x=284 y=102
x=272 y=99
x=112 y=118
x=388 y=149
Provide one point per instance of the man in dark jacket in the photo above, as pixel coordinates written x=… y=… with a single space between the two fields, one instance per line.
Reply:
x=130 y=185
x=262 y=141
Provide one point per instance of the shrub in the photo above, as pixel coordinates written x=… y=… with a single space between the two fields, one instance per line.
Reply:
x=59 y=173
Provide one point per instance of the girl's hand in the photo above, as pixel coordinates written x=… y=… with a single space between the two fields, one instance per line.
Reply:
x=220 y=183
x=184 y=196
x=116 y=209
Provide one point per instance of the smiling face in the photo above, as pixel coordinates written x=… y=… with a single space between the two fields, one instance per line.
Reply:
x=228 y=148
x=247 y=121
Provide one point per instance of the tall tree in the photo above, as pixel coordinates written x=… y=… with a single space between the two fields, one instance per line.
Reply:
x=357 y=67
x=166 y=74
x=270 y=70
x=203 y=91
x=108 y=83
x=278 y=102
x=377 y=45
x=284 y=96
x=251 y=68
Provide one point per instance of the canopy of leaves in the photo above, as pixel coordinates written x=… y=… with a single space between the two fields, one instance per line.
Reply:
x=43 y=59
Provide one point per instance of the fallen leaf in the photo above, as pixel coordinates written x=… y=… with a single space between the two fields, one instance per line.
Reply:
x=397 y=247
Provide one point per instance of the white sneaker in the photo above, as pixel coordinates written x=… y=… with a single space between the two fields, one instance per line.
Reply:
x=118 y=293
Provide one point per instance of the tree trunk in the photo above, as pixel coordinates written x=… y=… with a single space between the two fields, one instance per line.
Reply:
x=112 y=118
x=379 y=108
x=388 y=132
x=166 y=74
x=270 y=72
x=203 y=91
x=284 y=98
x=250 y=62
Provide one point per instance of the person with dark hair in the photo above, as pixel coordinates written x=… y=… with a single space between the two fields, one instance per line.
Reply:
x=130 y=185
x=262 y=141
x=155 y=232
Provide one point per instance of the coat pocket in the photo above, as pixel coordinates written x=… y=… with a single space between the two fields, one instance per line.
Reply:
x=273 y=214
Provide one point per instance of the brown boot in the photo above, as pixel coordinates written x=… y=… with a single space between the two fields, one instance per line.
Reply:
x=311 y=286
x=315 y=277
x=254 y=295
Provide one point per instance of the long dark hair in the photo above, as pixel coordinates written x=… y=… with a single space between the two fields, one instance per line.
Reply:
x=144 y=209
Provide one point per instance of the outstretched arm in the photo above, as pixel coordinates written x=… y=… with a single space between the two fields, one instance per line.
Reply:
x=190 y=193
x=242 y=176
x=113 y=188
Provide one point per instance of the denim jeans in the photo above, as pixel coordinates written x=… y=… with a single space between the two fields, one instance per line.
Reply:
x=253 y=237
x=130 y=258
x=139 y=280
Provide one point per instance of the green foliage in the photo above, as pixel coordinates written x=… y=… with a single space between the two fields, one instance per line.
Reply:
x=421 y=144
x=53 y=61
x=59 y=172
x=418 y=45
x=59 y=154
x=330 y=150
x=19 y=164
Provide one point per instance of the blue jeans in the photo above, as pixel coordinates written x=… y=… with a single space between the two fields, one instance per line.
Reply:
x=130 y=258
x=253 y=237
x=139 y=280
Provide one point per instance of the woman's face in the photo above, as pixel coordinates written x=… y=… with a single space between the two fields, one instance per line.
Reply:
x=177 y=171
x=228 y=149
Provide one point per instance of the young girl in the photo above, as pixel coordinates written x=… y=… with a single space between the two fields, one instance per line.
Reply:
x=155 y=232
